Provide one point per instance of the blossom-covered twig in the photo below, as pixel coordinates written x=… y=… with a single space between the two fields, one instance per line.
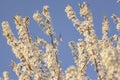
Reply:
x=102 y=52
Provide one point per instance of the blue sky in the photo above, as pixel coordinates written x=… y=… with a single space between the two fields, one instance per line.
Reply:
x=9 y=8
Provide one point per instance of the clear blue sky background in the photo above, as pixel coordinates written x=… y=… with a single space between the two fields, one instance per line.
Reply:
x=9 y=8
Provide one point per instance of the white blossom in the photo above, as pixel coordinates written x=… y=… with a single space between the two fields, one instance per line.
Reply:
x=42 y=63
x=6 y=75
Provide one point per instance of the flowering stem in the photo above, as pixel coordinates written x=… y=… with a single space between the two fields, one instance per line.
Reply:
x=96 y=66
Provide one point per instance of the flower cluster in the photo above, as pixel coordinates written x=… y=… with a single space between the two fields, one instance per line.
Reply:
x=104 y=53
x=38 y=60
x=35 y=63
x=44 y=20
x=5 y=76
